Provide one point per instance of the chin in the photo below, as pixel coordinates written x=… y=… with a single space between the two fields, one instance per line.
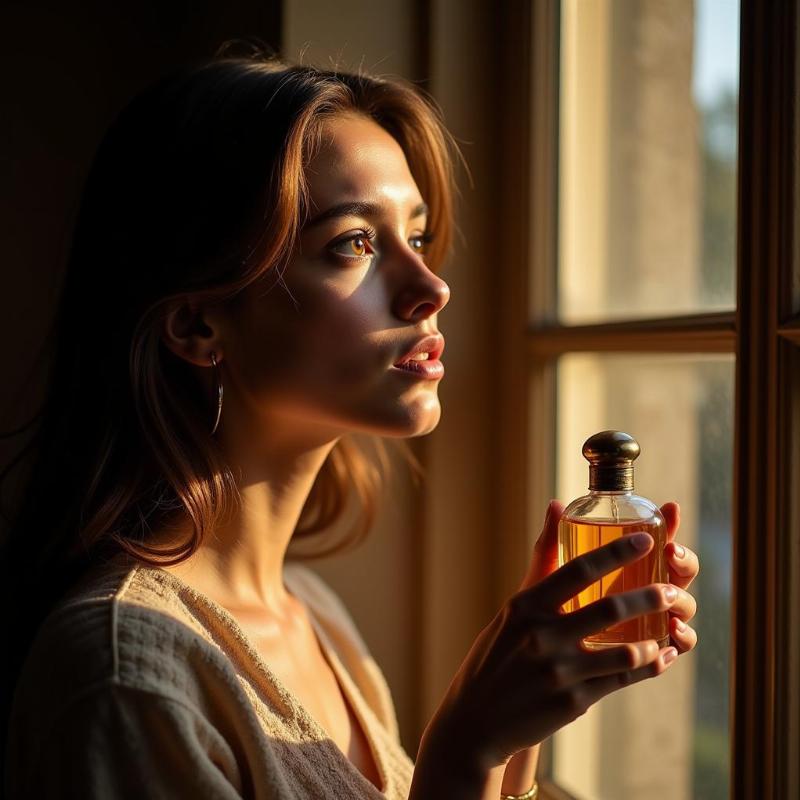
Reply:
x=414 y=422
x=402 y=418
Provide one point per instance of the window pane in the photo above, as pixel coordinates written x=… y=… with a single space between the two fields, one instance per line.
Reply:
x=664 y=737
x=647 y=165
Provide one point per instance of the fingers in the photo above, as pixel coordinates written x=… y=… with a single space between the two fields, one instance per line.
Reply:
x=605 y=684
x=545 y=552
x=615 y=608
x=576 y=699
x=597 y=663
x=672 y=516
x=682 y=636
x=567 y=581
x=683 y=564
x=552 y=517
x=685 y=606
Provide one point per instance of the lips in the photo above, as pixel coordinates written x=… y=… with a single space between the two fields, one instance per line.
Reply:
x=433 y=345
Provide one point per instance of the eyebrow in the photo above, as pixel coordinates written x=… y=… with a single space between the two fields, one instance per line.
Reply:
x=358 y=209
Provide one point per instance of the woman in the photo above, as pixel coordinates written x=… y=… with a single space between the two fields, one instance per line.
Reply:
x=253 y=280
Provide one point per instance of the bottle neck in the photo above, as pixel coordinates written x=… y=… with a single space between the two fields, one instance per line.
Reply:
x=610 y=478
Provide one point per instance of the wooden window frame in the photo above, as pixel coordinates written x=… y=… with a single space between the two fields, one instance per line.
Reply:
x=763 y=333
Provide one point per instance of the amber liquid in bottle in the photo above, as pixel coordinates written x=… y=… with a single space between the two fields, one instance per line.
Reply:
x=609 y=511
x=580 y=536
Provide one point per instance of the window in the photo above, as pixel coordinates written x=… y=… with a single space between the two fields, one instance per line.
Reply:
x=660 y=296
x=646 y=229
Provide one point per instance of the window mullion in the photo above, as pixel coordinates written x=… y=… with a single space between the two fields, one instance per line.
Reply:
x=708 y=333
x=762 y=753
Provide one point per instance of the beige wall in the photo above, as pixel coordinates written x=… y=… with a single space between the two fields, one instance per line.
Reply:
x=381 y=37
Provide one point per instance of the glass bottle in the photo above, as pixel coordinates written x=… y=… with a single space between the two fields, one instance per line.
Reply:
x=609 y=511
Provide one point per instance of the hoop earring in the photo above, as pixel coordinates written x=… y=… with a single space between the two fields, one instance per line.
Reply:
x=218 y=384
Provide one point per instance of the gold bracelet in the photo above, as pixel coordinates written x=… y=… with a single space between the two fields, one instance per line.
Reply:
x=531 y=794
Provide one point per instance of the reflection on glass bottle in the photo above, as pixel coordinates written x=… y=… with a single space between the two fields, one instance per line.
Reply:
x=609 y=511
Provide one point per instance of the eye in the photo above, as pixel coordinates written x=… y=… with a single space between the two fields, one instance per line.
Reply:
x=359 y=244
x=354 y=246
x=421 y=241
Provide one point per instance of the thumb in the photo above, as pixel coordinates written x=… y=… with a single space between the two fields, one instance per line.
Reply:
x=545 y=553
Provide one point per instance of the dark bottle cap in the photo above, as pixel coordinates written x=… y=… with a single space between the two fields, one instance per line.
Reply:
x=611 y=455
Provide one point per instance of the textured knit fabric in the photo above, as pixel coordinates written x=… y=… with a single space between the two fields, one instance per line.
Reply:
x=137 y=686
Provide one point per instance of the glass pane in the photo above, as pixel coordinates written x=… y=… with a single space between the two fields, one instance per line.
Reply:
x=664 y=737
x=647 y=165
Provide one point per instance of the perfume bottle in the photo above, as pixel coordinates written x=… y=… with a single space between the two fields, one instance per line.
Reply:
x=609 y=511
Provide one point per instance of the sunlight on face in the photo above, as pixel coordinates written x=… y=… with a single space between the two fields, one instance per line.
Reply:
x=321 y=351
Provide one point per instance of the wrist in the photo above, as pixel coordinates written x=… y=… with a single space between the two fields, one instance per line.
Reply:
x=448 y=766
x=520 y=770
x=456 y=752
x=531 y=794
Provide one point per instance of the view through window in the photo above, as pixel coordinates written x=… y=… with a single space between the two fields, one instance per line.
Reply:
x=647 y=230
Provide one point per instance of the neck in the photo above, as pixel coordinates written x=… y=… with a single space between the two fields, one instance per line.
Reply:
x=240 y=564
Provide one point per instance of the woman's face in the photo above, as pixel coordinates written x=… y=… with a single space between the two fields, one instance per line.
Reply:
x=317 y=354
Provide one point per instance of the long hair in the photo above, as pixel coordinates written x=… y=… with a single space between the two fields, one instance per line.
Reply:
x=198 y=186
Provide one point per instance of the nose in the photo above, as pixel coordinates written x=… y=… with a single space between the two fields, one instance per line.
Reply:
x=420 y=293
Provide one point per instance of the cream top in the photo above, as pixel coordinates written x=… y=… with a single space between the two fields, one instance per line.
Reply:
x=138 y=686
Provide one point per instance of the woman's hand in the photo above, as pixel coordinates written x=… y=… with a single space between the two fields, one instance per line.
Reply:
x=528 y=673
x=683 y=568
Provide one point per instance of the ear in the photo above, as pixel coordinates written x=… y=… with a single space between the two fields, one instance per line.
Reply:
x=192 y=333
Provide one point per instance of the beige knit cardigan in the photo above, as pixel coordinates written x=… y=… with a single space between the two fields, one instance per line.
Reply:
x=137 y=686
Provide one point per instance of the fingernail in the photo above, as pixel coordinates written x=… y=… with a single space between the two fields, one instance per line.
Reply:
x=641 y=541
x=670 y=593
x=670 y=655
x=680 y=626
x=680 y=552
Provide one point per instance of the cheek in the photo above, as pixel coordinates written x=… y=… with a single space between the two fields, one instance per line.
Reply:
x=342 y=336
x=329 y=338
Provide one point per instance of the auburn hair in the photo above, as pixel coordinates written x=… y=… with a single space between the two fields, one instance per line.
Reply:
x=198 y=188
